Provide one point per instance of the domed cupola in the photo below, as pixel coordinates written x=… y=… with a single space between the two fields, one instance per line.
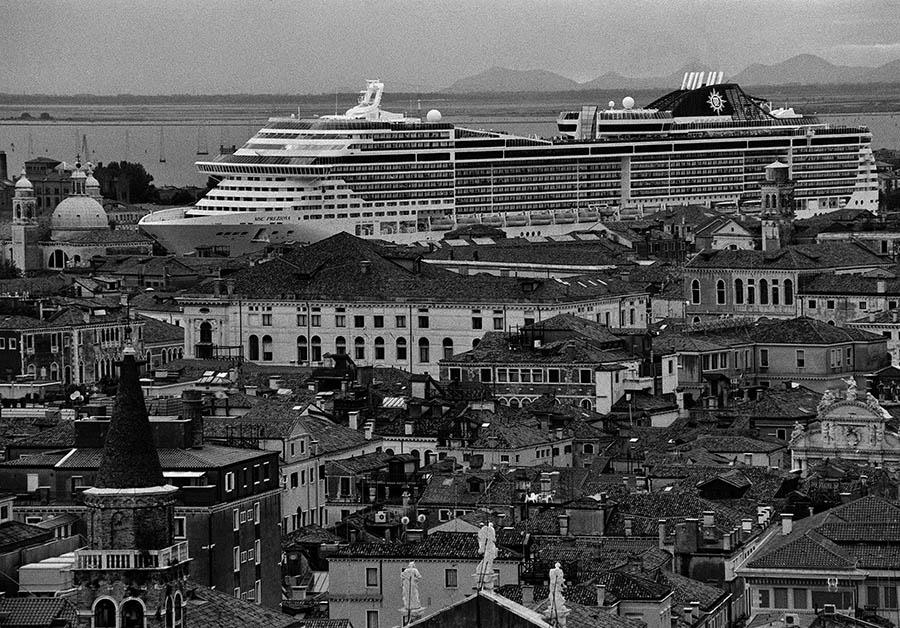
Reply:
x=78 y=212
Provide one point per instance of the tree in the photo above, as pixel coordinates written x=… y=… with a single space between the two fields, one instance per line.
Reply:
x=9 y=270
x=126 y=181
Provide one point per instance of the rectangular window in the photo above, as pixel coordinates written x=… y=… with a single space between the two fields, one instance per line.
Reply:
x=180 y=527
x=498 y=323
x=371 y=619
x=400 y=321
x=584 y=376
x=359 y=321
x=345 y=487
x=256 y=513
x=811 y=304
x=801 y=358
x=235 y=519
x=378 y=321
x=764 y=358
x=553 y=376
x=301 y=320
x=257 y=546
x=829 y=304
x=485 y=375
x=781 y=597
x=315 y=320
x=257 y=591
x=443 y=514
x=800 y=598
x=890 y=597
x=450 y=578
x=423 y=321
x=229 y=481
x=340 y=320
x=371 y=576
x=267 y=320
x=764 y=598
x=872 y=596
x=237 y=558
x=476 y=322
x=2 y=343
x=863 y=305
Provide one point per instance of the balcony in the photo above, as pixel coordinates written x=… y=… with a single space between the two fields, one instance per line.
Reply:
x=102 y=560
x=227 y=353
x=636 y=383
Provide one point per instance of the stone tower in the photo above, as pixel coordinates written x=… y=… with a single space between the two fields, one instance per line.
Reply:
x=777 y=215
x=26 y=253
x=132 y=569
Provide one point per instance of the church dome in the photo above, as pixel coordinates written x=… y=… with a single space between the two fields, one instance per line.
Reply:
x=79 y=213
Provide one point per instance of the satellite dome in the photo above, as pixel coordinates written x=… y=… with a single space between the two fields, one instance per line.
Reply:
x=612 y=104
x=627 y=102
x=433 y=116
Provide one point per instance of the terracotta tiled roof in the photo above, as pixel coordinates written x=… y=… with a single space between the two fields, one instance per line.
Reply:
x=157 y=331
x=14 y=534
x=460 y=545
x=795 y=257
x=215 y=609
x=36 y=612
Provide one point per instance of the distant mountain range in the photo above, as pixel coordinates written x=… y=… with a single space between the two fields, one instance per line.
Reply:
x=803 y=69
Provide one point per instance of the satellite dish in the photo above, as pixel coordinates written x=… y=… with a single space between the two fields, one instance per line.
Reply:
x=627 y=102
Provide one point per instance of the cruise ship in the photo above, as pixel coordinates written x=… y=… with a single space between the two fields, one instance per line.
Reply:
x=385 y=175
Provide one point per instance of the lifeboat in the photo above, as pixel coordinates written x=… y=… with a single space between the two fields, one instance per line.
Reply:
x=441 y=224
x=516 y=220
x=588 y=215
x=564 y=218
x=492 y=220
x=541 y=218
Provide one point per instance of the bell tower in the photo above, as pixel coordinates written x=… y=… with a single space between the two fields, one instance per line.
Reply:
x=132 y=569
x=777 y=216
x=26 y=254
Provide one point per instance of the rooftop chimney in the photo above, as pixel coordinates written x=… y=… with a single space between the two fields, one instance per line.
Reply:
x=527 y=594
x=787 y=523
x=661 y=530
x=695 y=610
x=601 y=594
x=846 y=498
x=192 y=404
x=709 y=518
x=746 y=526
x=368 y=429
x=408 y=427
x=354 y=419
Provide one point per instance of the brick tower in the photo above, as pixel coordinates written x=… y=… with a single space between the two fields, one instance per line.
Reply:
x=133 y=569
x=777 y=215
x=26 y=254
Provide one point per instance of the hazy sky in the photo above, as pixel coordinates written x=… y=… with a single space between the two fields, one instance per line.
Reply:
x=309 y=46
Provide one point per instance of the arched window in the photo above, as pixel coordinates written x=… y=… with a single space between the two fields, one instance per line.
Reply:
x=476 y=342
x=132 y=614
x=776 y=294
x=631 y=317
x=751 y=292
x=205 y=332
x=58 y=259
x=379 y=348
x=424 y=353
x=448 y=348
x=267 y=348
x=739 y=291
x=588 y=448
x=302 y=350
x=513 y=403
x=179 y=610
x=104 y=613
x=401 y=348
x=254 y=347
x=359 y=348
x=315 y=345
x=54 y=371
x=763 y=292
x=340 y=345
x=720 y=292
x=586 y=404
x=170 y=613
x=788 y=292
x=695 y=292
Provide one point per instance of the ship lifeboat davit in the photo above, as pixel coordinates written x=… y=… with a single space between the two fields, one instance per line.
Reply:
x=541 y=218
x=588 y=215
x=492 y=221
x=467 y=220
x=564 y=218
